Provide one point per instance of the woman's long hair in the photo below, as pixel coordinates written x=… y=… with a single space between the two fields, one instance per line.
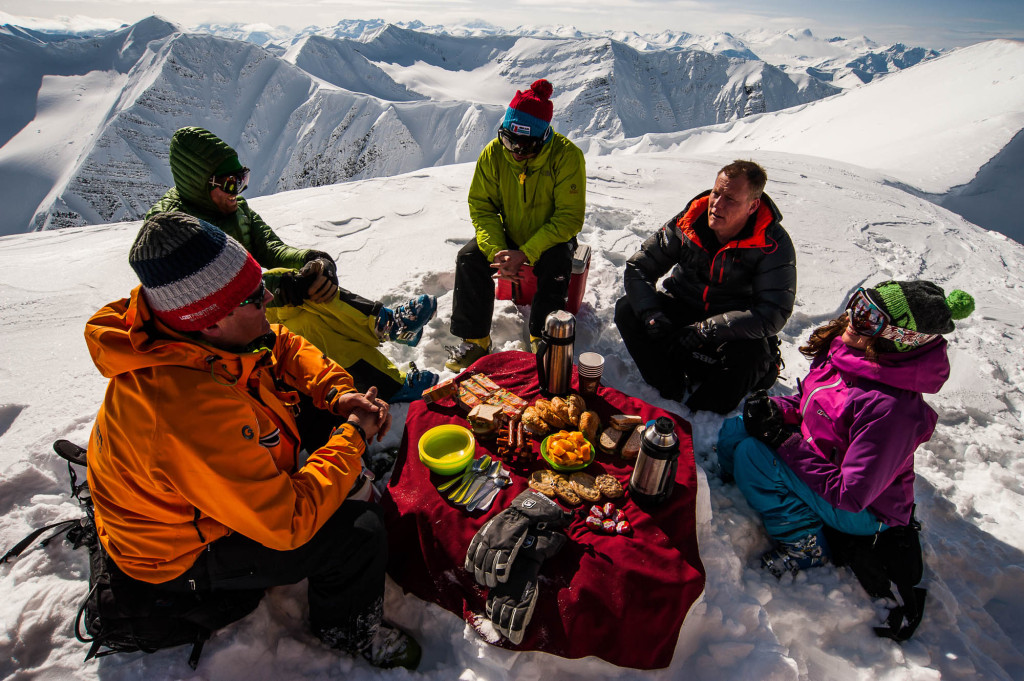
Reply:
x=822 y=337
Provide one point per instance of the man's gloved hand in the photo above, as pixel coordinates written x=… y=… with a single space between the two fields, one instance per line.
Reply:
x=316 y=281
x=763 y=419
x=695 y=335
x=495 y=546
x=510 y=605
x=324 y=281
x=657 y=325
x=330 y=268
x=690 y=338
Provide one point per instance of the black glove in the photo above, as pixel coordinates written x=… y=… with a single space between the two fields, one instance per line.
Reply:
x=329 y=267
x=293 y=287
x=657 y=325
x=690 y=338
x=763 y=419
x=495 y=545
x=510 y=605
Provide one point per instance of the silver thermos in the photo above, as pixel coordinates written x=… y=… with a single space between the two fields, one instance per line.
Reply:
x=654 y=474
x=554 y=353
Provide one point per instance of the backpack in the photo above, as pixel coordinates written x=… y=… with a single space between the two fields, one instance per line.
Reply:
x=121 y=614
x=888 y=565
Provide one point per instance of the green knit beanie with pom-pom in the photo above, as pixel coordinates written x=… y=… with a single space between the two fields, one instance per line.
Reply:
x=920 y=306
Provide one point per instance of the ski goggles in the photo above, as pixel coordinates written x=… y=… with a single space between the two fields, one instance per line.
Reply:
x=867 y=319
x=257 y=297
x=523 y=145
x=234 y=183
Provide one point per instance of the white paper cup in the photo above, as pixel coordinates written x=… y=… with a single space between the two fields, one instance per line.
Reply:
x=590 y=366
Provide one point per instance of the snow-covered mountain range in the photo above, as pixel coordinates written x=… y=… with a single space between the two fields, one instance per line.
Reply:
x=84 y=132
x=845 y=62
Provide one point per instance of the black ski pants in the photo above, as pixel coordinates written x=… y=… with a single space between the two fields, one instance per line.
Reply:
x=473 y=298
x=722 y=372
x=344 y=562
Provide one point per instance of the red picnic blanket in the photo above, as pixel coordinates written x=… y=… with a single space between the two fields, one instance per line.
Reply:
x=620 y=598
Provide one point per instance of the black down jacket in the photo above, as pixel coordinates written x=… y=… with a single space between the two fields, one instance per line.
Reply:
x=746 y=288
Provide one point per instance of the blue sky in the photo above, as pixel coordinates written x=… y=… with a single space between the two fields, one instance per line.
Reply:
x=929 y=23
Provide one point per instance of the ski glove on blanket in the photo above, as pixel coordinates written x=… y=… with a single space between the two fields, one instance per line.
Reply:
x=510 y=605
x=294 y=286
x=495 y=546
x=763 y=419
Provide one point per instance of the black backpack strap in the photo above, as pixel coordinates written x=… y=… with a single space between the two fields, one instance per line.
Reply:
x=19 y=548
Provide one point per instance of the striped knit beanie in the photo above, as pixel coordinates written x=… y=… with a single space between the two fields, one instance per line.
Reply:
x=529 y=113
x=919 y=306
x=193 y=274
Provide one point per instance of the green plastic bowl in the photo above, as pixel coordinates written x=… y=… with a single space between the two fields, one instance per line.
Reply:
x=447 y=449
x=564 y=468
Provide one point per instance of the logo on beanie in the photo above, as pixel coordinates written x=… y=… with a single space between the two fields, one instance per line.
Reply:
x=519 y=128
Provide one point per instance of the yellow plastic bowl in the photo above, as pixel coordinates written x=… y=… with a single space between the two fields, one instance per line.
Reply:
x=447 y=449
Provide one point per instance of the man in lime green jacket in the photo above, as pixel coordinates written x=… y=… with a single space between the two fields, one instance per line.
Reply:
x=208 y=181
x=526 y=202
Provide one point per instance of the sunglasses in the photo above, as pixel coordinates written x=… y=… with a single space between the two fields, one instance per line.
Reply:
x=256 y=298
x=522 y=145
x=233 y=184
x=867 y=319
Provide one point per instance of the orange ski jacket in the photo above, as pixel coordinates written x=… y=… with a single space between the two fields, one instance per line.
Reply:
x=193 y=442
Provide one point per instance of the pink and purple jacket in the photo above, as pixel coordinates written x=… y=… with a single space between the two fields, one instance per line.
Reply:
x=860 y=423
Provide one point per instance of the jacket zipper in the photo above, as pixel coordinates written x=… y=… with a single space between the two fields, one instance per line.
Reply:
x=807 y=402
x=721 y=274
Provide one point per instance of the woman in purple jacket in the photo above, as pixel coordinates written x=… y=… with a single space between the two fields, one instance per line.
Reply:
x=841 y=451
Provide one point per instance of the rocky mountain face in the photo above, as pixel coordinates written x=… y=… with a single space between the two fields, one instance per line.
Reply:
x=324 y=110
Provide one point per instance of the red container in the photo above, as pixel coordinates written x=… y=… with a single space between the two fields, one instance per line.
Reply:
x=523 y=293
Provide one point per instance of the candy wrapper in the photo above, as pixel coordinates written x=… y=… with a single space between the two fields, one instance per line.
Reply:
x=441 y=391
x=480 y=389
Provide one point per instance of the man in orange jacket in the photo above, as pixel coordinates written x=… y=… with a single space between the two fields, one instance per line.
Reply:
x=194 y=459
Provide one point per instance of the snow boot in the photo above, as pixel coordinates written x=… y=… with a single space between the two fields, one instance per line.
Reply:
x=416 y=382
x=391 y=647
x=468 y=352
x=810 y=551
x=405 y=323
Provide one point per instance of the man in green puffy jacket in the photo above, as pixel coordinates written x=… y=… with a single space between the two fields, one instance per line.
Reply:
x=526 y=202
x=208 y=181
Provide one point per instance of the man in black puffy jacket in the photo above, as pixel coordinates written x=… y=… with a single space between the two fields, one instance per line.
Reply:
x=713 y=326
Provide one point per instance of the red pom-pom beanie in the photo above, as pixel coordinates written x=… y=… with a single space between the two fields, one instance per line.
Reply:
x=529 y=113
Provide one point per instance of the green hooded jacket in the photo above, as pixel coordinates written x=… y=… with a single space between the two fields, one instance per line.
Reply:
x=535 y=203
x=194 y=154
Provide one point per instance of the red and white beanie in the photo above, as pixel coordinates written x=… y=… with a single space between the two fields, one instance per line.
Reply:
x=193 y=274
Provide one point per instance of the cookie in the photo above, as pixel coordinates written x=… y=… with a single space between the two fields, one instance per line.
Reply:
x=583 y=484
x=608 y=486
x=565 y=491
x=544 y=482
